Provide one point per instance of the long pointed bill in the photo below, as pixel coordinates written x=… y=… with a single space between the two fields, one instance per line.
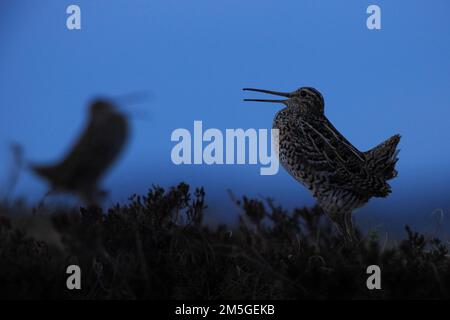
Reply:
x=130 y=100
x=267 y=100
x=282 y=94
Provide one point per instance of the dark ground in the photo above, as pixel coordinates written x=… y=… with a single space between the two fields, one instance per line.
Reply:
x=157 y=247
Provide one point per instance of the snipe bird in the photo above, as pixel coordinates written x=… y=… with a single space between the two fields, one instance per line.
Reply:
x=312 y=150
x=97 y=148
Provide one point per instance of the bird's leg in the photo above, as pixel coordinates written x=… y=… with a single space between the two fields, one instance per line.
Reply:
x=92 y=196
x=16 y=168
x=46 y=195
x=344 y=225
x=350 y=231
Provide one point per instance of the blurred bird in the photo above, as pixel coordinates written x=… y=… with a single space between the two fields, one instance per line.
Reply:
x=100 y=144
x=340 y=177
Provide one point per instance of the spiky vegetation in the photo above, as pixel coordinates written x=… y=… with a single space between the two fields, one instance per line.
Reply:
x=157 y=247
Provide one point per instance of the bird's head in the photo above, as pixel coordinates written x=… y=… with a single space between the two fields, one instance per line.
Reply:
x=114 y=105
x=101 y=106
x=306 y=98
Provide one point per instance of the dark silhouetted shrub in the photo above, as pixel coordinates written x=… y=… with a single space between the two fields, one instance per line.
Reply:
x=156 y=247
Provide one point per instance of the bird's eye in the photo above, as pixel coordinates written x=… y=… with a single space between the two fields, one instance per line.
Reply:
x=302 y=94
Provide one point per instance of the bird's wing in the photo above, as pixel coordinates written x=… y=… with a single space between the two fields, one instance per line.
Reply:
x=323 y=149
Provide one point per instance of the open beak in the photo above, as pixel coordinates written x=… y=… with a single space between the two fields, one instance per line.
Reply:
x=283 y=94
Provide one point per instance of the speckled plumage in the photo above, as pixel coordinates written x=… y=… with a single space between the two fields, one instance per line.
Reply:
x=312 y=150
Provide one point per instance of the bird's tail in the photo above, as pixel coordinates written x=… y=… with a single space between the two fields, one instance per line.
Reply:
x=382 y=158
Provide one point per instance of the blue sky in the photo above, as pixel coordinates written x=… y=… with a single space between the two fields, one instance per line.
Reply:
x=195 y=56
